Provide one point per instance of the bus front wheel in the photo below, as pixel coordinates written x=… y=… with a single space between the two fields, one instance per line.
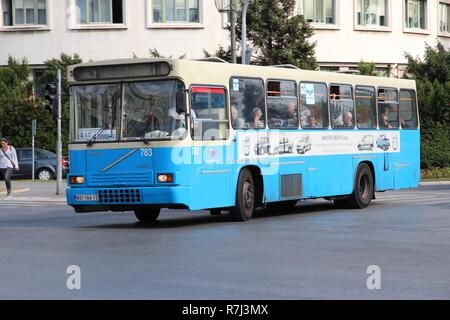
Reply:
x=245 y=197
x=147 y=215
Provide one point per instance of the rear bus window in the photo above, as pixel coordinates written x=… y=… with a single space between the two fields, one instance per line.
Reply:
x=341 y=106
x=314 y=105
x=247 y=103
x=408 y=109
x=282 y=105
x=366 y=107
x=209 y=116
x=388 y=108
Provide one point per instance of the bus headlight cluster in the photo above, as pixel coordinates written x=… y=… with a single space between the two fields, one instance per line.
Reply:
x=76 y=180
x=165 y=178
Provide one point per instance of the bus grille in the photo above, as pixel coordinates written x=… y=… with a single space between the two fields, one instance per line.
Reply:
x=111 y=179
x=119 y=196
x=291 y=185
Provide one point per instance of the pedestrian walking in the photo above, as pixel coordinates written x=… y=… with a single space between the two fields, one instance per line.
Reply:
x=8 y=164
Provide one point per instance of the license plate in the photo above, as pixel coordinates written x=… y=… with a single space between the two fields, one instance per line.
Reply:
x=86 y=197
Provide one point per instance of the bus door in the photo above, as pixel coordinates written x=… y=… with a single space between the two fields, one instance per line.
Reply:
x=210 y=132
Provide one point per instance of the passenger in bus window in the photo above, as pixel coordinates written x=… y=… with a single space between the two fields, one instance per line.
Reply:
x=384 y=119
x=347 y=117
x=312 y=123
x=403 y=123
x=236 y=121
x=304 y=115
x=256 y=119
x=292 y=114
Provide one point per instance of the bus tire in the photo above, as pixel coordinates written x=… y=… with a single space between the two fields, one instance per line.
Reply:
x=363 y=188
x=245 y=197
x=148 y=216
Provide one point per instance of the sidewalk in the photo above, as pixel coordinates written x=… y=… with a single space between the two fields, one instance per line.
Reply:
x=29 y=191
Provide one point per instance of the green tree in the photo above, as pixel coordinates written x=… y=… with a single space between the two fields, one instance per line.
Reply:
x=432 y=75
x=366 y=68
x=50 y=76
x=18 y=108
x=277 y=34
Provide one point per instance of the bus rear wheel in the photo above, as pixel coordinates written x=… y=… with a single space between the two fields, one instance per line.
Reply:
x=245 y=197
x=362 y=192
x=147 y=215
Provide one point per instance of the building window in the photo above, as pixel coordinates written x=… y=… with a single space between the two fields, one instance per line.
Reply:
x=169 y=11
x=444 y=17
x=318 y=11
x=415 y=14
x=372 y=12
x=99 y=11
x=24 y=12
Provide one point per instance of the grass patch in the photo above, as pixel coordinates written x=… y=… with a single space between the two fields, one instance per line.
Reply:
x=435 y=174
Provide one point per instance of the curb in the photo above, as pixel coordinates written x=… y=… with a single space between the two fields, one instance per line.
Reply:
x=434 y=183
x=36 y=199
x=22 y=190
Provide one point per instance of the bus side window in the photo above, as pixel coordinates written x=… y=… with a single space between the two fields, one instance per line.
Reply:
x=341 y=106
x=247 y=103
x=282 y=105
x=209 y=116
x=388 y=108
x=366 y=107
x=313 y=105
x=408 y=109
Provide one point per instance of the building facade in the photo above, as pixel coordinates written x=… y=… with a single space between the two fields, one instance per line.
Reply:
x=346 y=31
x=378 y=31
x=107 y=29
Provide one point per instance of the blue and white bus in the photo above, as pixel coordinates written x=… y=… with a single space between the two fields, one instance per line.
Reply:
x=147 y=134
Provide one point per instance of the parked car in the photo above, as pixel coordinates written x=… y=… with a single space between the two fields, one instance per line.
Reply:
x=383 y=142
x=366 y=143
x=44 y=164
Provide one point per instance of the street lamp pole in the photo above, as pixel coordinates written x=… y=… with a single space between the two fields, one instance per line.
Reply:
x=59 y=140
x=229 y=6
x=244 y=31
x=233 y=30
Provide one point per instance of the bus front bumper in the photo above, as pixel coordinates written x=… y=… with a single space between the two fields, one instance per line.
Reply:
x=127 y=199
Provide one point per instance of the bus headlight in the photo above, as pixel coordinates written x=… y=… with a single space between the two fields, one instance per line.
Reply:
x=165 y=178
x=76 y=180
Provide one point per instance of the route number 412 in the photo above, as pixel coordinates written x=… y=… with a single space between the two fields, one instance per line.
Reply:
x=146 y=152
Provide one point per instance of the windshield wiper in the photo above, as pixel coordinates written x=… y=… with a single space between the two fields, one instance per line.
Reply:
x=138 y=129
x=105 y=126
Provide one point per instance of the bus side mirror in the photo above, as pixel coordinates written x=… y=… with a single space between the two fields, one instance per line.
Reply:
x=181 y=102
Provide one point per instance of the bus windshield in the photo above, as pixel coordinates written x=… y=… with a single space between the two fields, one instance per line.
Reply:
x=128 y=111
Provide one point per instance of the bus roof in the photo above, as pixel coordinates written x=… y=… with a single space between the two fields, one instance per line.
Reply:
x=200 y=72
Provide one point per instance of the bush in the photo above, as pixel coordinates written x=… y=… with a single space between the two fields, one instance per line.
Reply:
x=435 y=173
x=433 y=93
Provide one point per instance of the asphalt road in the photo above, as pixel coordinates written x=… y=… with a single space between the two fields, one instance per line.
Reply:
x=312 y=252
